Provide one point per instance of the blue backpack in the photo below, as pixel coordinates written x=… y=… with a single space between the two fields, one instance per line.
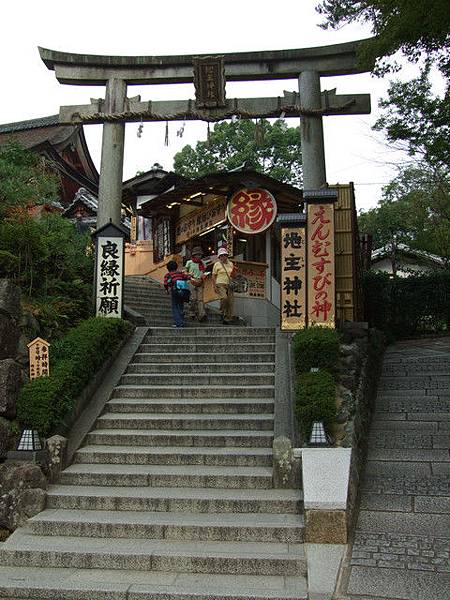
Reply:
x=182 y=290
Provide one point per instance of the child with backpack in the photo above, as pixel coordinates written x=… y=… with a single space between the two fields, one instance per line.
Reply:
x=176 y=284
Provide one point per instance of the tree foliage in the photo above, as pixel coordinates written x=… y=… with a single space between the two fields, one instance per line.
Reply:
x=410 y=26
x=417 y=120
x=414 y=210
x=270 y=149
x=25 y=179
x=45 y=256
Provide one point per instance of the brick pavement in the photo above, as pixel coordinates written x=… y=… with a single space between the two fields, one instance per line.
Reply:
x=401 y=547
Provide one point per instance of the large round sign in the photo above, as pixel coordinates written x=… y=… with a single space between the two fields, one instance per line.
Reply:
x=252 y=211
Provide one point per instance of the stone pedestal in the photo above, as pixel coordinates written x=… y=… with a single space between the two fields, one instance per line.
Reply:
x=325 y=489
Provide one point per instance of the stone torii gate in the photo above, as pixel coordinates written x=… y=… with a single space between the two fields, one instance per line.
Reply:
x=209 y=74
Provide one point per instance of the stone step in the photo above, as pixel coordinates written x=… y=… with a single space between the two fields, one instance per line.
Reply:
x=175 y=499
x=182 y=422
x=154 y=304
x=174 y=406
x=31 y=583
x=160 y=318
x=218 y=331
x=198 y=357
x=225 y=527
x=200 y=391
x=222 y=338
x=213 y=345
x=427 y=369
x=167 y=437
x=147 y=300
x=166 y=475
x=179 y=455
x=414 y=383
x=197 y=379
x=197 y=368
x=395 y=358
x=252 y=558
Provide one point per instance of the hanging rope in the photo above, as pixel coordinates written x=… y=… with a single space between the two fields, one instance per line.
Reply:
x=202 y=116
x=166 y=138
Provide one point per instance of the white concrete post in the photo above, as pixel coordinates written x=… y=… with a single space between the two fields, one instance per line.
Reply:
x=111 y=167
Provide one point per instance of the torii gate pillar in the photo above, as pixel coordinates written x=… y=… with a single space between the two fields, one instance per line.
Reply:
x=311 y=131
x=113 y=146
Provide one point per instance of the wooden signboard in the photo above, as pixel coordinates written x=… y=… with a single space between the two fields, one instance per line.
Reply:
x=321 y=267
x=39 y=358
x=200 y=221
x=253 y=278
x=133 y=230
x=293 y=278
x=252 y=211
x=109 y=270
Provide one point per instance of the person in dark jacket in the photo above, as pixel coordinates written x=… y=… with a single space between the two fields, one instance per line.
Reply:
x=170 y=278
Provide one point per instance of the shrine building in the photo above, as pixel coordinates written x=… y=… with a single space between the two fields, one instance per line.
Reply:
x=238 y=209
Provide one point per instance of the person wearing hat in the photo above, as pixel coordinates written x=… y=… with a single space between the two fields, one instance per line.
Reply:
x=222 y=273
x=196 y=268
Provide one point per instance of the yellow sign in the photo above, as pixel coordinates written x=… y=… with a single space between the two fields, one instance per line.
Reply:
x=253 y=278
x=39 y=358
x=321 y=269
x=200 y=221
x=293 y=278
x=133 y=229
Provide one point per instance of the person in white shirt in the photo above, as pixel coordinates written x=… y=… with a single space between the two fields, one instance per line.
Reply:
x=223 y=272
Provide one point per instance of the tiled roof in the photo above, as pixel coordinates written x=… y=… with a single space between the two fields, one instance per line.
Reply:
x=30 y=124
x=380 y=253
x=91 y=202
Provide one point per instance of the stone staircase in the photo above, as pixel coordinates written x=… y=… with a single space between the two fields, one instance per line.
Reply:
x=171 y=495
x=149 y=298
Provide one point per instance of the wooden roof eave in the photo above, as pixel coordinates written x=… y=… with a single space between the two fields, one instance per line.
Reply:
x=224 y=184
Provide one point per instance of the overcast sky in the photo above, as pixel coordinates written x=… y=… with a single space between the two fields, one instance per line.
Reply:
x=138 y=27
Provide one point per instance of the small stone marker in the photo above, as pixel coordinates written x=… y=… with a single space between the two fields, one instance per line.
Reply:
x=39 y=358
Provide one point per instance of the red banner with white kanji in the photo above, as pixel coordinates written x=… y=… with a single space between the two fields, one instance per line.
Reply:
x=321 y=265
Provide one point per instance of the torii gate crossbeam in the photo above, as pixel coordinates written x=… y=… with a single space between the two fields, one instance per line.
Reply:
x=117 y=72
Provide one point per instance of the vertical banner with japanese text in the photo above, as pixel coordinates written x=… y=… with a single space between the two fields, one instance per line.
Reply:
x=133 y=229
x=321 y=265
x=293 y=276
x=109 y=277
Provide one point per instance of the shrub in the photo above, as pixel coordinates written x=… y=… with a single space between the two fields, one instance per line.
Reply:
x=46 y=402
x=316 y=347
x=404 y=307
x=315 y=400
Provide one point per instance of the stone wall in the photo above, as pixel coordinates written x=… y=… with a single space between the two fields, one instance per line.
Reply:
x=22 y=485
x=361 y=359
x=12 y=363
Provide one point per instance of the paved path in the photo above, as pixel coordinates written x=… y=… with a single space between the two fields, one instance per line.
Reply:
x=402 y=539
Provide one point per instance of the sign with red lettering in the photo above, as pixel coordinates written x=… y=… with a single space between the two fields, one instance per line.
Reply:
x=252 y=211
x=321 y=267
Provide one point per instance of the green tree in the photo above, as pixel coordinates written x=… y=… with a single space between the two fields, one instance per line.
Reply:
x=45 y=256
x=414 y=27
x=25 y=179
x=418 y=121
x=414 y=210
x=270 y=149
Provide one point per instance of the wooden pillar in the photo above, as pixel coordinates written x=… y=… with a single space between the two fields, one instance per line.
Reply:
x=111 y=167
